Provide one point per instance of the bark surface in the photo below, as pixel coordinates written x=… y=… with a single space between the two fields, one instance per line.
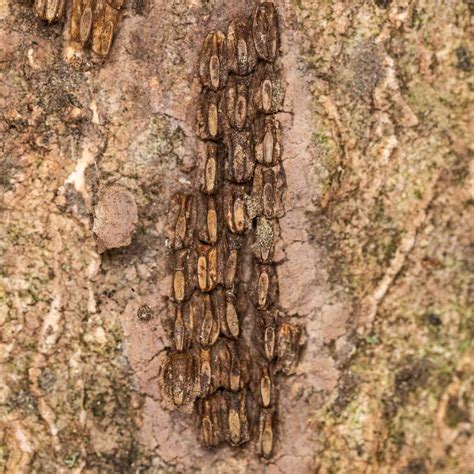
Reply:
x=374 y=254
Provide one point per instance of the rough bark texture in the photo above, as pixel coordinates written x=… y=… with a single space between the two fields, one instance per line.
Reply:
x=374 y=251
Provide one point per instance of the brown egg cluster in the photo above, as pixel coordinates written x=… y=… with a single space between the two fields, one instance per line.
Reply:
x=230 y=342
x=92 y=21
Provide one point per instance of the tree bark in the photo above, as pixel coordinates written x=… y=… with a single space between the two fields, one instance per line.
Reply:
x=374 y=243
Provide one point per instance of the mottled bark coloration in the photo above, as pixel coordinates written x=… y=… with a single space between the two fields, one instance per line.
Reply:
x=373 y=251
x=89 y=21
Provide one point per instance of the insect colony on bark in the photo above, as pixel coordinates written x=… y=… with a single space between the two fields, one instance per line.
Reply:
x=229 y=340
x=92 y=21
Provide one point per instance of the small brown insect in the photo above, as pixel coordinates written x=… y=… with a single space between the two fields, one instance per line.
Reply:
x=240 y=161
x=212 y=62
x=182 y=221
x=265 y=336
x=226 y=313
x=205 y=372
x=102 y=36
x=208 y=167
x=265 y=236
x=265 y=31
x=267 y=191
x=180 y=335
x=262 y=383
x=241 y=53
x=183 y=281
x=232 y=322
x=106 y=18
x=266 y=432
x=267 y=140
x=239 y=369
x=85 y=25
x=178 y=377
x=235 y=211
x=209 y=117
x=269 y=194
x=223 y=417
x=213 y=416
x=265 y=286
x=269 y=342
x=237 y=102
x=77 y=10
x=221 y=362
x=289 y=342
x=54 y=10
x=266 y=90
x=207 y=267
x=231 y=269
x=206 y=322
x=49 y=10
x=237 y=418
x=96 y=19
x=39 y=8
x=209 y=422
x=208 y=222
